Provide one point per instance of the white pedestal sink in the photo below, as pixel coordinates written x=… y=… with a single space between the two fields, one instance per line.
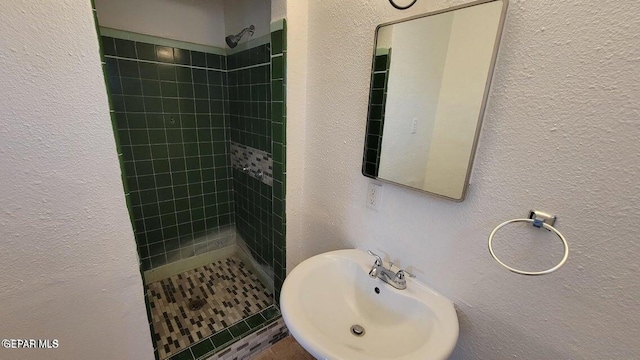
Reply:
x=326 y=295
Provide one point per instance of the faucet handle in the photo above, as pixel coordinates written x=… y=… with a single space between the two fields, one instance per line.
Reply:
x=378 y=258
x=401 y=274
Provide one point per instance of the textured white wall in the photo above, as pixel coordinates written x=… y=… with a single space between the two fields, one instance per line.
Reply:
x=239 y=14
x=560 y=134
x=278 y=9
x=196 y=21
x=68 y=266
x=296 y=12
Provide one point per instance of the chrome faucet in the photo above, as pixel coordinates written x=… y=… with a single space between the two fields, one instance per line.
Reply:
x=396 y=279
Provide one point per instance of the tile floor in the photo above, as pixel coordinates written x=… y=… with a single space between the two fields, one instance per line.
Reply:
x=285 y=349
x=227 y=292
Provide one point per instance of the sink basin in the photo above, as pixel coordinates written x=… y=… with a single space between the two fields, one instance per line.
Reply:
x=326 y=295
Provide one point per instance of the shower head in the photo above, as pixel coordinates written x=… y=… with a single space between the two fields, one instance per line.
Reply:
x=232 y=40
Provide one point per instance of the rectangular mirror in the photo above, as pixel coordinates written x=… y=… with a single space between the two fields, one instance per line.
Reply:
x=429 y=84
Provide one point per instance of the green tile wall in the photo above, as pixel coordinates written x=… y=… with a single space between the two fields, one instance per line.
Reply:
x=250 y=97
x=278 y=131
x=253 y=200
x=260 y=209
x=250 y=118
x=170 y=112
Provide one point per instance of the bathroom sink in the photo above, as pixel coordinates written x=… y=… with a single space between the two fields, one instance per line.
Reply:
x=336 y=311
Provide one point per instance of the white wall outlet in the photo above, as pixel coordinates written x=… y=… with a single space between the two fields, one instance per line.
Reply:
x=374 y=196
x=414 y=125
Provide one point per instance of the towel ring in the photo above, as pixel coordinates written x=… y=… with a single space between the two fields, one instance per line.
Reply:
x=537 y=222
x=402 y=7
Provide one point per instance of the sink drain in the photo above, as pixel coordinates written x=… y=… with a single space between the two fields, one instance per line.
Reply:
x=357 y=330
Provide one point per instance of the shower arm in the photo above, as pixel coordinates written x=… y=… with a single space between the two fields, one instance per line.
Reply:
x=251 y=29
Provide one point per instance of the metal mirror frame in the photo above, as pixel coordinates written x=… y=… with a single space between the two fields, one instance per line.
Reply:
x=496 y=46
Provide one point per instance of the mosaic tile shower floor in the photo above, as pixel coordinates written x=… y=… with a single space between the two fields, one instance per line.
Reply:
x=231 y=292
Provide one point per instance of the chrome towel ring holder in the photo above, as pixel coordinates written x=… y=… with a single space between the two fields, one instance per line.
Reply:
x=539 y=220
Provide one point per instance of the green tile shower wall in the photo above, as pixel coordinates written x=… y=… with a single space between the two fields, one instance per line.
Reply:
x=257 y=115
x=249 y=97
x=375 y=122
x=253 y=200
x=250 y=118
x=170 y=112
x=278 y=132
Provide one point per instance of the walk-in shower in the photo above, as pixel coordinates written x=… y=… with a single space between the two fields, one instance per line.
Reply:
x=193 y=126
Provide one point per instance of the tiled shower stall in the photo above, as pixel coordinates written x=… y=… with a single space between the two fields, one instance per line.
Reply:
x=201 y=139
x=173 y=124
